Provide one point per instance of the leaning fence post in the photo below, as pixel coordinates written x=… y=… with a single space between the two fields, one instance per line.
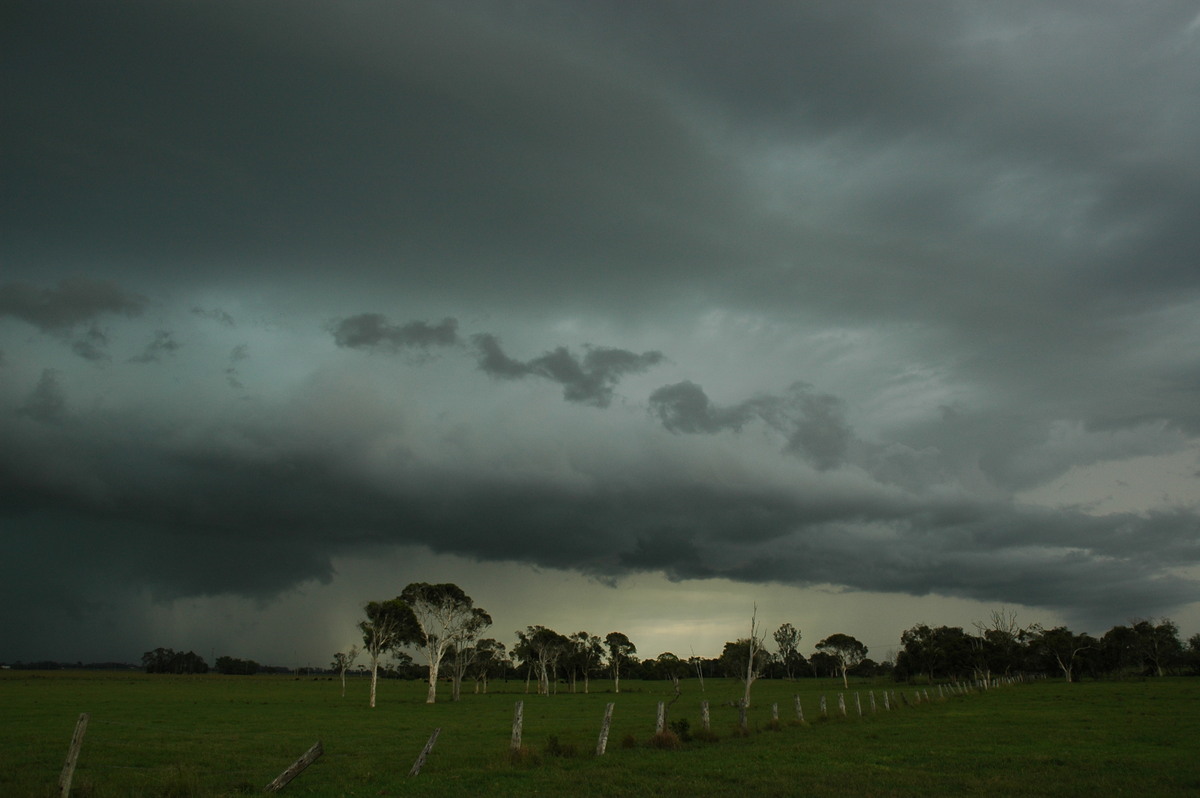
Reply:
x=705 y=721
x=602 y=743
x=799 y=709
x=858 y=703
x=824 y=712
x=297 y=768
x=873 y=709
x=416 y=768
x=68 y=771
x=842 y=704
x=518 y=717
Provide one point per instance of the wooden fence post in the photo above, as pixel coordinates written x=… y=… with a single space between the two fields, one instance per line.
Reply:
x=858 y=703
x=705 y=720
x=68 y=771
x=799 y=710
x=775 y=713
x=602 y=743
x=660 y=722
x=518 y=718
x=297 y=768
x=873 y=707
x=824 y=712
x=416 y=768
x=842 y=704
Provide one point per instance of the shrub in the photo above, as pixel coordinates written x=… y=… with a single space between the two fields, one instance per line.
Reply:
x=682 y=729
x=524 y=756
x=555 y=747
x=666 y=740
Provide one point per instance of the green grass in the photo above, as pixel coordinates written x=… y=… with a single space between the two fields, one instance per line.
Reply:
x=225 y=736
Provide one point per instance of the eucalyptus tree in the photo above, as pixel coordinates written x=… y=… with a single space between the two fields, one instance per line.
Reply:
x=446 y=617
x=490 y=657
x=1062 y=647
x=388 y=624
x=787 y=639
x=542 y=648
x=342 y=662
x=620 y=651
x=1158 y=644
x=846 y=650
x=586 y=651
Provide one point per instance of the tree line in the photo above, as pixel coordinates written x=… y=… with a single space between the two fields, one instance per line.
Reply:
x=441 y=623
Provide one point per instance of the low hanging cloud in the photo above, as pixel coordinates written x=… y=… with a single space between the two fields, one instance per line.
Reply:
x=74 y=302
x=589 y=381
x=164 y=343
x=814 y=423
x=373 y=331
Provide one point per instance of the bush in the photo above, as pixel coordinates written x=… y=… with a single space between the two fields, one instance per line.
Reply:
x=524 y=756
x=555 y=747
x=666 y=740
x=682 y=729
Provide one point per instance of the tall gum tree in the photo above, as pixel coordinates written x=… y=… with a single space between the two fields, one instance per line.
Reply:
x=846 y=650
x=446 y=616
x=620 y=650
x=389 y=624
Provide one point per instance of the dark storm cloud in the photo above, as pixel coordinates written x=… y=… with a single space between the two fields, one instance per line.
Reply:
x=91 y=344
x=372 y=330
x=215 y=314
x=174 y=507
x=589 y=381
x=971 y=224
x=73 y=302
x=47 y=402
x=232 y=374
x=814 y=424
x=71 y=310
x=164 y=343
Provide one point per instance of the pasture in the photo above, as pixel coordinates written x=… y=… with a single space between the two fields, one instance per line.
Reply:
x=224 y=736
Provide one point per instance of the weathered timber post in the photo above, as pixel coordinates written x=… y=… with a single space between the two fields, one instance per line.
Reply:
x=858 y=703
x=705 y=720
x=296 y=768
x=68 y=771
x=824 y=712
x=602 y=743
x=799 y=710
x=518 y=719
x=886 y=704
x=842 y=704
x=873 y=707
x=775 y=713
x=420 y=763
x=661 y=722
x=926 y=692
x=941 y=696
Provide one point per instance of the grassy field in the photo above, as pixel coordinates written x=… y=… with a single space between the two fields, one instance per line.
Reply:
x=222 y=736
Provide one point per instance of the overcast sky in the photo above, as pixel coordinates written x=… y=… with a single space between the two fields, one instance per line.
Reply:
x=622 y=316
